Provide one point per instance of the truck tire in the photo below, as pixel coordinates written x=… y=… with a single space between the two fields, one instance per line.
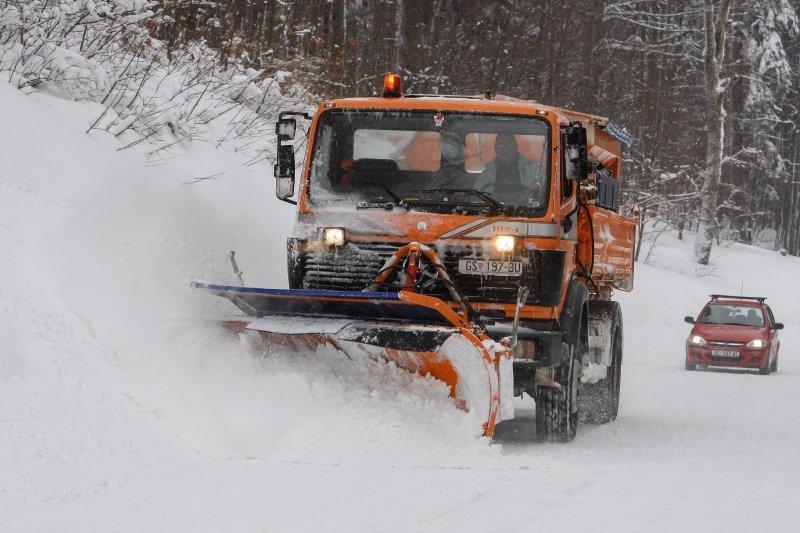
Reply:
x=600 y=401
x=557 y=409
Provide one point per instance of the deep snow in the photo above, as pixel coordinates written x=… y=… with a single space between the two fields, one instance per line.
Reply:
x=121 y=409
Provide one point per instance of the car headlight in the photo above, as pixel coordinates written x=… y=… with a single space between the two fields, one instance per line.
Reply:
x=757 y=344
x=505 y=243
x=333 y=236
x=697 y=340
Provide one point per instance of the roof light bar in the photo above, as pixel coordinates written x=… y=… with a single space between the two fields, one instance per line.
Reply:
x=759 y=298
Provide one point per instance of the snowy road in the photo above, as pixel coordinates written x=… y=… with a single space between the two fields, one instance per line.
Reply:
x=691 y=451
x=703 y=451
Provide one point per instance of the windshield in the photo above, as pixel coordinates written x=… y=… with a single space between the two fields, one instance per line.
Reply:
x=431 y=161
x=732 y=314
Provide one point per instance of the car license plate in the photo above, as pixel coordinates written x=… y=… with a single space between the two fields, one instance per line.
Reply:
x=490 y=268
x=725 y=353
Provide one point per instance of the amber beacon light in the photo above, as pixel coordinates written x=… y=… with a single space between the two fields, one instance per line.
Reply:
x=392 y=86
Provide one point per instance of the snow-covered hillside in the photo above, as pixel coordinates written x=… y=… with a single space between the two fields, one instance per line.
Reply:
x=123 y=409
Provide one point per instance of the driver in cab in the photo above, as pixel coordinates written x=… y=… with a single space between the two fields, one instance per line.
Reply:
x=511 y=173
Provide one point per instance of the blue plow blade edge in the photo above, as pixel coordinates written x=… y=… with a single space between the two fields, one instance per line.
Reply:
x=368 y=306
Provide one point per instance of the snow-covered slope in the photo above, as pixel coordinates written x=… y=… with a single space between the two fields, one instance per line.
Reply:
x=121 y=409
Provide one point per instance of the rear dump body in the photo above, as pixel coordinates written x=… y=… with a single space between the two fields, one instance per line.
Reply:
x=496 y=268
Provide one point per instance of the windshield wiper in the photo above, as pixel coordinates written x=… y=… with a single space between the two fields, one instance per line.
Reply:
x=375 y=205
x=396 y=200
x=487 y=200
x=482 y=195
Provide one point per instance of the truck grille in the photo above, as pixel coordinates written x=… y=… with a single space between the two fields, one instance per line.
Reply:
x=349 y=268
x=724 y=344
x=353 y=266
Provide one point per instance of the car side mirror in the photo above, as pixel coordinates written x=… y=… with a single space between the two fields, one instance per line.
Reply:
x=575 y=152
x=778 y=325
x=688 y=320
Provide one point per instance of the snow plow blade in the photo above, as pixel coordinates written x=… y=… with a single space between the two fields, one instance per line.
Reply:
x=418 y=333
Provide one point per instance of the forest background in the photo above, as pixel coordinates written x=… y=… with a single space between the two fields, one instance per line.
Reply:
x=641 y=63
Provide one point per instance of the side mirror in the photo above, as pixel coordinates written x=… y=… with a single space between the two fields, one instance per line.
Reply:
x=284 y=172
x=575 y=152
x=778 y=325
x=285 y=129
x=688 y=320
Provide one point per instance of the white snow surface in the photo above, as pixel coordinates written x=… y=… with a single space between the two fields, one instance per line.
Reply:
x=122 y=408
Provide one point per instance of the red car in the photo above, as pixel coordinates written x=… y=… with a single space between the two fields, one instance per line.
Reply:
x=734 y=331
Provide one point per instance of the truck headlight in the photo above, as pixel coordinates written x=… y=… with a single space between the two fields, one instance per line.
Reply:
x=333 y=236
x=505 y=243
x=756 y=344
x=697 y=340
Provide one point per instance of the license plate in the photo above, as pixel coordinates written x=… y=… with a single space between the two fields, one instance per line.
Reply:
x=725 y=353
x=490 y=268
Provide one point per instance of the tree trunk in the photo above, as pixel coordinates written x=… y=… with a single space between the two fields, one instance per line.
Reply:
x=716 y=24
x=398 y=36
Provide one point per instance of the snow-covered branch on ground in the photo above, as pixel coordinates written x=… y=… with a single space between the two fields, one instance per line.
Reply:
x=101 y=51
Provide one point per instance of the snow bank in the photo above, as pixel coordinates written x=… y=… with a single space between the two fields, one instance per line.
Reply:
x=67 y=428
x=113 y=367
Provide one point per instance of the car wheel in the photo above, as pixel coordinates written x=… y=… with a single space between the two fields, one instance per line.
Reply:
x=774 y=366
x=690 y=366
x=766 y=369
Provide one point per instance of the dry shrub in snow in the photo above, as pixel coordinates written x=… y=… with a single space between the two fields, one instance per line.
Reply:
x=101 y=51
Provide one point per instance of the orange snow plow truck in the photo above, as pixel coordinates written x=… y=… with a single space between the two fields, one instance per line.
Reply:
x=477 y=239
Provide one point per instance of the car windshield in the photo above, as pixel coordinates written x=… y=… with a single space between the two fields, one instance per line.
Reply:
x=733 y=315
x=451 y=162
